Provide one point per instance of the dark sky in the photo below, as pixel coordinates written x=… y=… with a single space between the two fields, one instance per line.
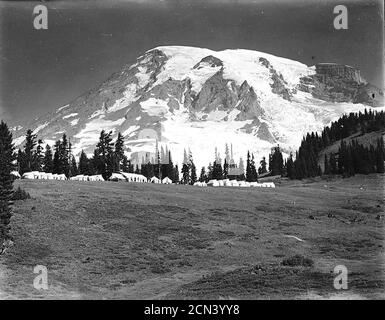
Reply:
x=86 y=41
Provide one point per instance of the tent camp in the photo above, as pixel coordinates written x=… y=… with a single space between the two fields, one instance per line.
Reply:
x=59 y=176
x=167 y=180
x=155 y=180
x=263 y=185
x=117 y=177
x=244 y=184
x=29 y=175
x=213 y=183
x=43 y=176
x=79 y=177
x=97 y=177
x=133 y=177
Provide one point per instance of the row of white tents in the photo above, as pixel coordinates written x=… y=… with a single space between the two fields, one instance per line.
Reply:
x=81 y=177
x=133 y=177
x=32 y=175
x=122 y=176
x=234 y=183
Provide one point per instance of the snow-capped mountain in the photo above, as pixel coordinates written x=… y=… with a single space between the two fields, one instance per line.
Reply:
x=196 y=98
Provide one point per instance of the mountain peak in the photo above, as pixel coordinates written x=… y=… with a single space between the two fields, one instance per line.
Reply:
x=200 y=99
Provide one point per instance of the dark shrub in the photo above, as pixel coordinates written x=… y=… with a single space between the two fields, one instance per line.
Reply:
x=298 y=260
x=20 y=194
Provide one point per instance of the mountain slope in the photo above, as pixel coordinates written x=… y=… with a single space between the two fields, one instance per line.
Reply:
x=201 y=99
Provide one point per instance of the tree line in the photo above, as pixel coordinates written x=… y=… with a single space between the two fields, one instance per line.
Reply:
x=351 y=158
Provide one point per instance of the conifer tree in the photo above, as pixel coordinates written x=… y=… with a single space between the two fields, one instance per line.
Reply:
x=6 y=189
x=57 y=166
x=176 y=174
x=290 y=167
x=48 y=160
x=262 y=168
x=38 y=159
x=326 y=165
x=83 y=167
x=73 y=168
x=185 y=174
x=64 y=155
x=30 y=143
x=203 y=176
x=225 y=169
x=119 y=152
x=193 y=175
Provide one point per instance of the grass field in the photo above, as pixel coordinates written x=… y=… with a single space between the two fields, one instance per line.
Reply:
x=144 y=241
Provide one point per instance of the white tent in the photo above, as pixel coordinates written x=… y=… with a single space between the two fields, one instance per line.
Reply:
x=213 y=183
x=221 y=183
x=98 y=177
x=49 y=176
x=133 y=177
x=200 y=184
x=263 y=185
x=117 y=177
x=15 y=175
x=60 y=177
x=167 y=180
x=244 y=184
x=79 y=177
x=29 y=175
x=155 y=180
x=227 y=183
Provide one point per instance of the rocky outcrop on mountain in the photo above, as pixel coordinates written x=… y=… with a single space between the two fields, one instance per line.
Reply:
x=278 y=85
x=333 y=70
x=340 y=83
x=210 y=61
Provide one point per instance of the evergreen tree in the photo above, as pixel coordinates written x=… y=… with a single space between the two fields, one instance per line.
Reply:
x=38 y=159
x=83 y=167
x=185 y=174
x=22 y=162
x=276 y=162
x=104 y=155
x=290 y=167
x=210 y=170
x=57 y=166
x=203 y=176
x=48 y=160
x=225 y=168
x=176 y=174
x=30 y=143
x=248 y=168
x=73 y=168
x=64 y=159
x=126 y=165
x=119 y=152
x=193 y=176
x=254 y=172
x=6 y=189
x=262 y=168
x=326 y=165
